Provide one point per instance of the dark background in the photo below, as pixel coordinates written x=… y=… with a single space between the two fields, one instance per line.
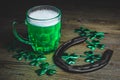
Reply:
x=15 y=8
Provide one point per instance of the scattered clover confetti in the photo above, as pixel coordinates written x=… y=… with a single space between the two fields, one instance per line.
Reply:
x=82 y=31
x=70 y=58
x=91 y=57
x=46 y=69
x=94 y=38
x=95 y=44
x=35 y=60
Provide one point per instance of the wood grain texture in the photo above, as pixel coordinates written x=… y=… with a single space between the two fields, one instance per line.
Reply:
x=99 y=19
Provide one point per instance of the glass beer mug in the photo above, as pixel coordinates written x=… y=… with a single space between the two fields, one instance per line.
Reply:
x=44 y=28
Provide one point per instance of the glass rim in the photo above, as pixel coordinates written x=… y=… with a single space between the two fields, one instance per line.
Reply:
x=58 y=11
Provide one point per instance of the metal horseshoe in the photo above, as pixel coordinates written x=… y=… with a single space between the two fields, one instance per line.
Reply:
x=82 y=68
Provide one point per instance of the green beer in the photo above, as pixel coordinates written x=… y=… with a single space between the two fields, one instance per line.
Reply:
x=44 y=28
x=44 y=39
x=44 y=24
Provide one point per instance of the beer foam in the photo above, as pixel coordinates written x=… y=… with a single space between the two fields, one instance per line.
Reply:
x=43 y=18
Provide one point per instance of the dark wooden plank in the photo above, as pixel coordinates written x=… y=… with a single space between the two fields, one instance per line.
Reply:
x=103 y=19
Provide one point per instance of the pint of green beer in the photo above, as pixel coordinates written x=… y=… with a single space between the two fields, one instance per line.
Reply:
x=44 y=28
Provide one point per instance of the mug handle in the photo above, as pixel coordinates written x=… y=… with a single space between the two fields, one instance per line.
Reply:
x=19 y=37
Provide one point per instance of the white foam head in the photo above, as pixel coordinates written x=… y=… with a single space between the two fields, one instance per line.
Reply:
x=43 y=18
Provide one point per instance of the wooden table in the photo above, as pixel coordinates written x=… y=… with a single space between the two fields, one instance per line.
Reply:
x=100 y=19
